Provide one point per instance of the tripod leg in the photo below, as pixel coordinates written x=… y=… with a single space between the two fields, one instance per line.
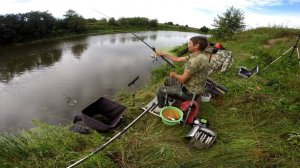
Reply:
x=298 y=56
x=166 y=100
x=133 y=96
x=295 y=46
x=278 y=58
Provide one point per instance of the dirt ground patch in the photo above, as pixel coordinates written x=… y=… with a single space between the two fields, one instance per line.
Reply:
x=272 y=42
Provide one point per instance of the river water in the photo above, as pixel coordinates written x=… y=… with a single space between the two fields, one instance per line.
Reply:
x=53 y=81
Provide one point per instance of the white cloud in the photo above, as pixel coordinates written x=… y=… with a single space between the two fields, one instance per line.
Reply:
x=196 y=13
x=257 y=20
x=293 y=1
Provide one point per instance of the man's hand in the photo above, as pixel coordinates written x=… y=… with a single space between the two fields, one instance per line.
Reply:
x=159 y=53
x=172 y=74
x=181 y=78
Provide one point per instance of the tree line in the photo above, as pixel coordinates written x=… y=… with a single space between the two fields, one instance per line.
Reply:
x=35 y=25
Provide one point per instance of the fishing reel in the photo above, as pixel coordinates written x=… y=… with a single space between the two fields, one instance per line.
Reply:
x=154 y=57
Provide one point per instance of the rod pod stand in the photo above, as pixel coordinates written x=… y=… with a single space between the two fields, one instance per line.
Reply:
x=295 y=47
x=133 y=88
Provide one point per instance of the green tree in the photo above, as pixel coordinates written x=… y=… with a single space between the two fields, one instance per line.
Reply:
x=139 y=21
x=153 y=23
x=112 y=22
x=9 y=25
x=169 y=23
x=103 y=21
x=38 y=24
x=204 y=29
x=74 y=22
x=124 y=22
x=28 y=26
x=230 y=23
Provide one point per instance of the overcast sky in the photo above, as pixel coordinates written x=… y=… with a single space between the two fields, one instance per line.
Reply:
x=194 y=13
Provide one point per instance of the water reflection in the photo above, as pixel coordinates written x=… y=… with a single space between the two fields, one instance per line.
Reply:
x=41 y=81
x=153 y=37
x=14 y=64
x=15 y=61
x=135 y=39
x=112 y=40
x=78 y=49
x=122 y=40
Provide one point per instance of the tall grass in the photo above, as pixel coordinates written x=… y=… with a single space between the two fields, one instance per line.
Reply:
x=48 y=146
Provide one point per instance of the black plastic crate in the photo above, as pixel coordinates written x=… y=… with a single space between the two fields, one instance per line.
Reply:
x=103 y=114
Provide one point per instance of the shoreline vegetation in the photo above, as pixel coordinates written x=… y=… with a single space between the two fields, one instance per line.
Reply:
x=36 y=26
x=257 y=121
x=161 y=27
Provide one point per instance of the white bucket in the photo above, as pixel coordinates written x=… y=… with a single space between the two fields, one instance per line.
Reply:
x=205 y=97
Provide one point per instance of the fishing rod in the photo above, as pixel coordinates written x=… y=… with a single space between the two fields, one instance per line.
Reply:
x=152 y=48
x=154 y=105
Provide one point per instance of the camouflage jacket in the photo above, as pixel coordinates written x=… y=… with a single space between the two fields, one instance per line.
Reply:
x=197 y=65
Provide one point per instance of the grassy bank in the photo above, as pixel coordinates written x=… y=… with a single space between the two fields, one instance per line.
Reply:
x=257 y=121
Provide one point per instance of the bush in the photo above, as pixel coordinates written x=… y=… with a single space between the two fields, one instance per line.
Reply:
x=230 y=23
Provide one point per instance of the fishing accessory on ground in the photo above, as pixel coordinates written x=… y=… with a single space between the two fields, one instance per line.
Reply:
x=79 y=126
x=205 y=97
x=201 y=137
x=245 y=73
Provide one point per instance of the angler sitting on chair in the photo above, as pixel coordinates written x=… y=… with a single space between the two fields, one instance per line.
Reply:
x=194 y=76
